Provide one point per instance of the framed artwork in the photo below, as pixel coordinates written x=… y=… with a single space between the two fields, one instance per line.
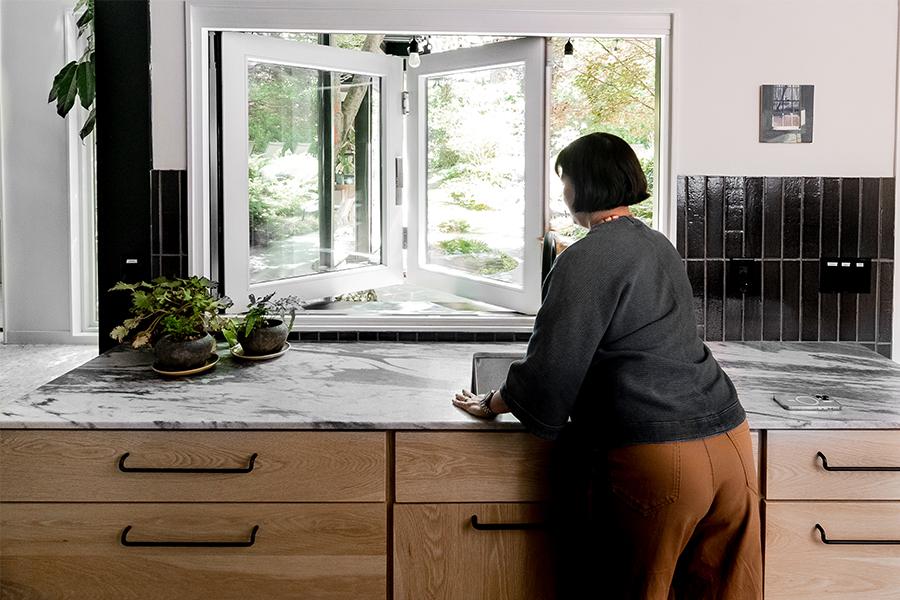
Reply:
x=786 y=113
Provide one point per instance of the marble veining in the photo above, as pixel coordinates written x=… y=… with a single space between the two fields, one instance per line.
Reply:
x=409 y=385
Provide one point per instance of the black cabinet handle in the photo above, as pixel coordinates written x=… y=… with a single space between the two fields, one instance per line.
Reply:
x=827 y=468
x=495 y=526
x=867 y=542
x=246 y=469
x=126 y=542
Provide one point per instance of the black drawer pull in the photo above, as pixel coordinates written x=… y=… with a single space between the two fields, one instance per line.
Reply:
x=246 y=469
x=495 y=526
x=867 y=542
x=125 y=541
x=827 y=468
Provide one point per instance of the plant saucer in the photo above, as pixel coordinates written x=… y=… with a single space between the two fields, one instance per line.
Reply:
x=209 y=364
x=238 y=351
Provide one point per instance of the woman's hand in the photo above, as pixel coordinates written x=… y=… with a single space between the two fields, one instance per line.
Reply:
x=471 y=403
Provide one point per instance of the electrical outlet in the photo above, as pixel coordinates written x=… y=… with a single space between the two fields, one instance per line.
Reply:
x=743 y=277
x=845 y=274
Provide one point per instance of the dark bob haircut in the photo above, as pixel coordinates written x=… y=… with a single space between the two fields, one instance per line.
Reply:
x=604 y=172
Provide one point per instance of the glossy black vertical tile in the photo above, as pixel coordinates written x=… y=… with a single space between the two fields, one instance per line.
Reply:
x=734 y=217
x=885 y=300
x=812 y=216
x=695 y=272
x=772 y=222
x=865 y=324
x=828 y=316
x=753 y=316
x=790 y=300
x=696 y=201
x=715 y=295
x=868 y=215
x=791 y=203
x=734 y=312
x=170 y=212
x=849 y=225
x=831 y=206
x=753 y=221
x=714 y=218
x=847 y=317
x=680 y=208
x=886 y=220
x=771 y=296
x=809 y=300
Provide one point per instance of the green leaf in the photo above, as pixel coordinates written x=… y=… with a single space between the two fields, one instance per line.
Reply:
x=68 y=89
x=62 y=80
x=86 y=87
x=88 y=124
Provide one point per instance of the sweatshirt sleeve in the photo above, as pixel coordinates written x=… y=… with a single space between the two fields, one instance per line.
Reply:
x=541 y=388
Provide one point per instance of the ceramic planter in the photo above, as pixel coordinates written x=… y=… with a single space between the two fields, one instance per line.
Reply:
x=266 y=338
x=183 y=355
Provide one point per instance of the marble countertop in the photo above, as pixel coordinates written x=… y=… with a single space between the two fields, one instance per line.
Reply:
x=409 y=385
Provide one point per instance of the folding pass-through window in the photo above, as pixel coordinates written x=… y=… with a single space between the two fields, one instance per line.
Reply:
x=327 y=217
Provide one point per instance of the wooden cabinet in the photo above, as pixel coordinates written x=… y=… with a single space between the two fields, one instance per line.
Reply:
x=298 y=514
x=440 y=552
x=281 y=550
x=471 y=466
x=326 y=510
x=470 y=518
x=832 y=514
x=246 y=466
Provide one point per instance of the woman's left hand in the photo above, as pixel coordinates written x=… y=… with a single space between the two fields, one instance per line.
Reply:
x=469 y=402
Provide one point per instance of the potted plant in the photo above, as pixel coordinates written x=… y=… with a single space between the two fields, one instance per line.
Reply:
x=258 y=333
x=175 y=317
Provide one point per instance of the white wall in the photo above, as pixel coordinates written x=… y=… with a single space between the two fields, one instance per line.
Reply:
x=723 y=50
x=36 y=280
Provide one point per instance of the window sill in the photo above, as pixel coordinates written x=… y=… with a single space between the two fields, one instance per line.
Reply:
x=433 y=322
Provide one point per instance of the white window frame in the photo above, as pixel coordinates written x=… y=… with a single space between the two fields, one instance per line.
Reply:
x=530 y=54
x=82 y=215
x=237 y=51
x=203 y=16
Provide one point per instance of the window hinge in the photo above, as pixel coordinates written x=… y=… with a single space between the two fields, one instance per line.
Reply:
x=404 y=103
x=404 y=237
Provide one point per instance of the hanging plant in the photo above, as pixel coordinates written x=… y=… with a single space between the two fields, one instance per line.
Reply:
x=77 y=77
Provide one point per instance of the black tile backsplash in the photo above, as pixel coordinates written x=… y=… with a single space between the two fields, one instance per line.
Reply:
x=169 y=242
x=788 y=224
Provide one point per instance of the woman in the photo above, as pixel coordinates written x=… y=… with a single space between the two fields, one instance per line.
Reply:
x=657 y=457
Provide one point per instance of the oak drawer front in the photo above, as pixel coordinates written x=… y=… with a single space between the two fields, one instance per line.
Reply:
x=300 y=551
x=440 y=555
x=292 y=466
x=800 y=566
x=794 y=470
x=467 y=466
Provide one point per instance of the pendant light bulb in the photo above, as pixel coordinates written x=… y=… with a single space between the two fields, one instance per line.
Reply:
x=414 y=60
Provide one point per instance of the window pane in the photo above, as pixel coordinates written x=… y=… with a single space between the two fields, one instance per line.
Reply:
x=475 y=213
x=314 y=162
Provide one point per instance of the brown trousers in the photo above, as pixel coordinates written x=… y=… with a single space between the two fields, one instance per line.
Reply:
x=662 y=521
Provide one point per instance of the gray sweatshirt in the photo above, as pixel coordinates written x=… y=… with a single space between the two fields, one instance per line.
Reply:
x=615 y=347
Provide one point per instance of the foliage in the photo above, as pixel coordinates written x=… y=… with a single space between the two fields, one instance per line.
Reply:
x=277 y=203
x=77 y=79
x=259 y=309
x=501 y=263
x=358 y=296
x=454 y=226
x=461 y=200
x=463 y=246
x=184 y=308
x=282 y=106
